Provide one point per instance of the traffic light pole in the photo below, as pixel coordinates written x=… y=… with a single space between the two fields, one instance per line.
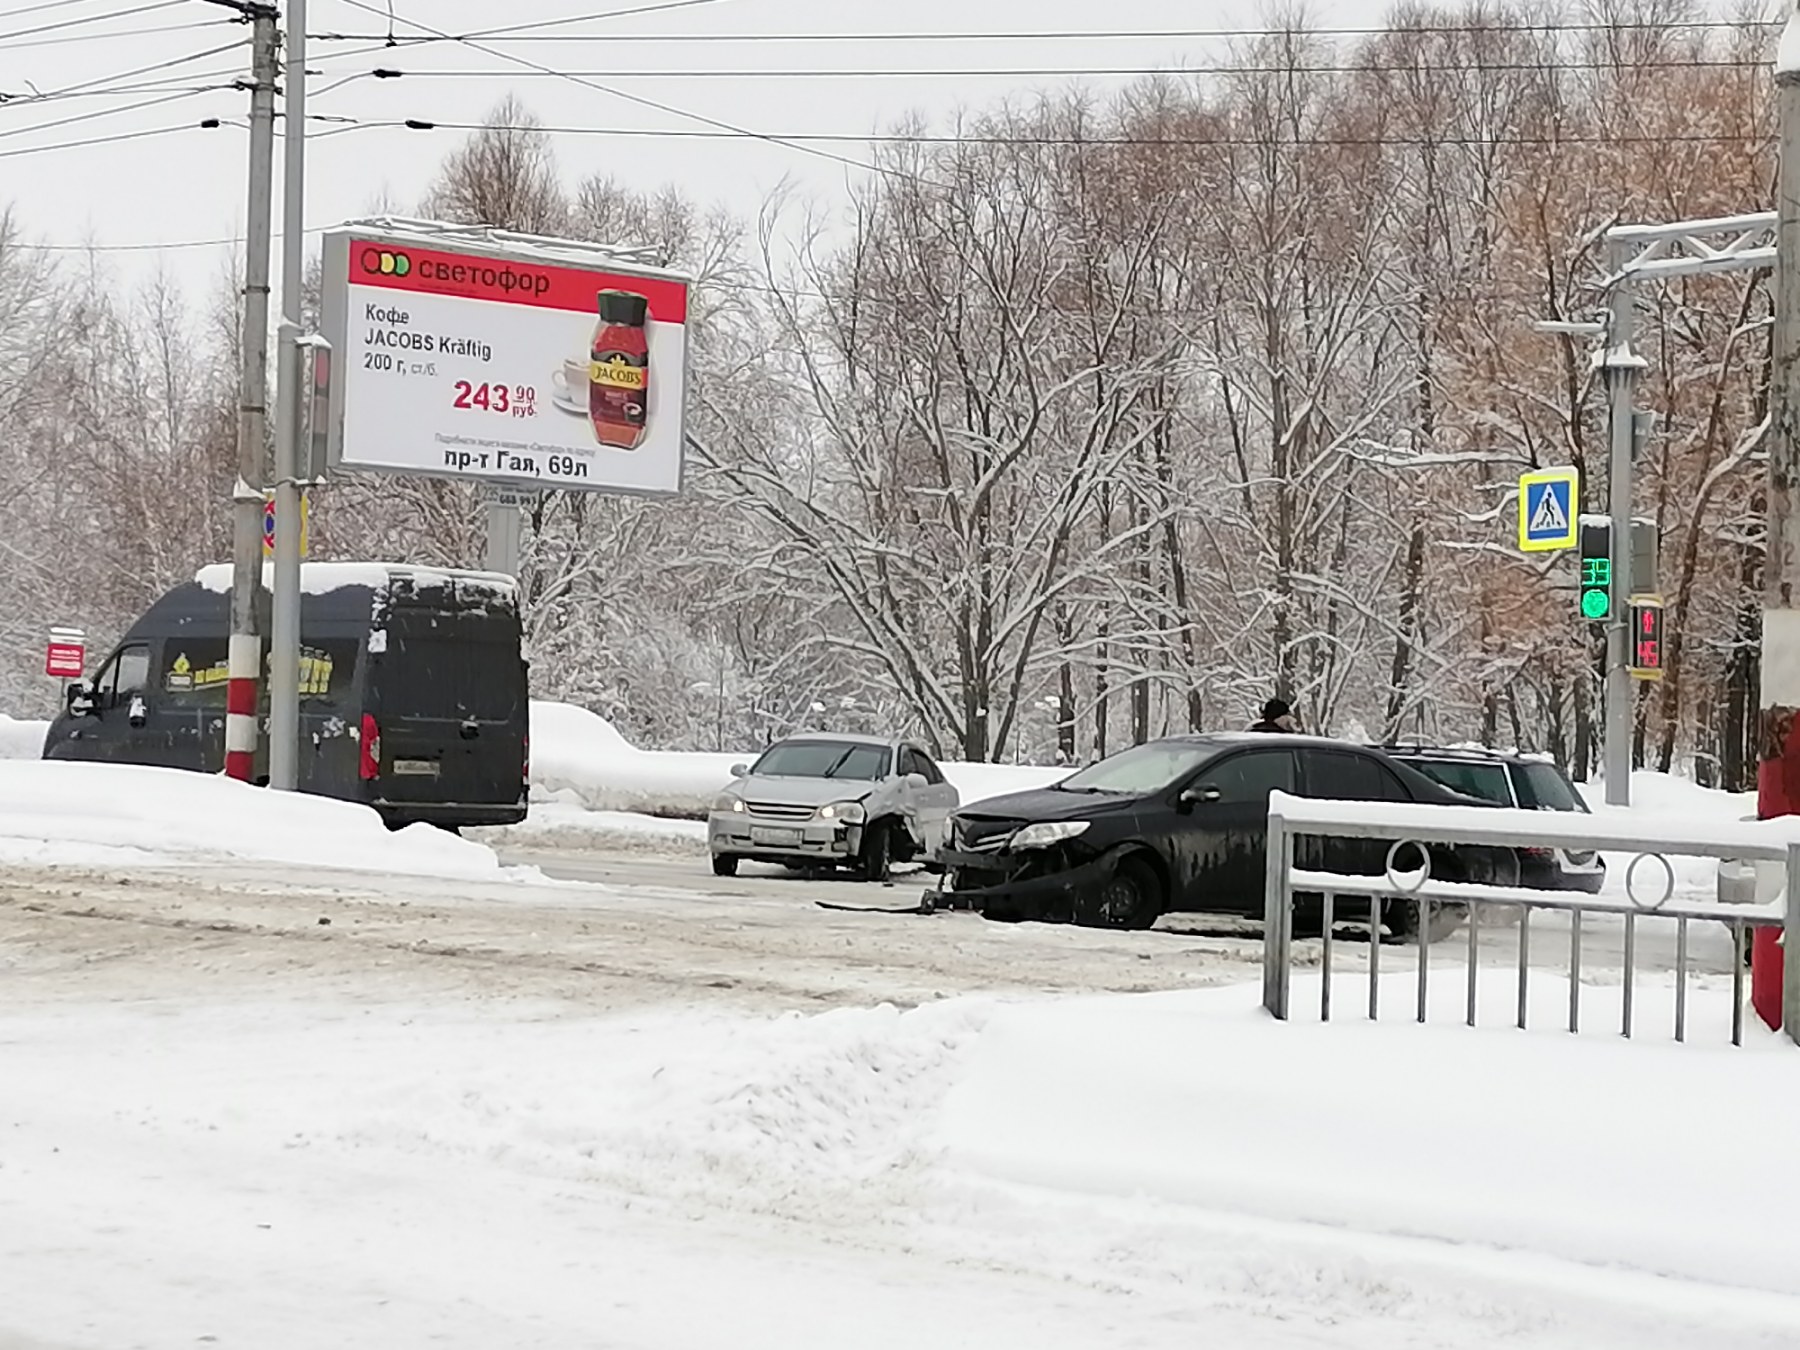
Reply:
x=1622 y=367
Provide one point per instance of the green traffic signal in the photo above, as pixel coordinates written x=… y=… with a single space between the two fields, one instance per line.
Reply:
x=1596 y=571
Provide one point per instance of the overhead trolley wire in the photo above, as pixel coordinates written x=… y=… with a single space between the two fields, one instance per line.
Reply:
x=92 y=18
x=655 y=104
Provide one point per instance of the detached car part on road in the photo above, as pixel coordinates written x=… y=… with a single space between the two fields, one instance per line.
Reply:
x=832 y=801
x=1179 y=825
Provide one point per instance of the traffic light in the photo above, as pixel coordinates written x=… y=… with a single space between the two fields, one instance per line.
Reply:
x=1596 y=589
x=1646 y=654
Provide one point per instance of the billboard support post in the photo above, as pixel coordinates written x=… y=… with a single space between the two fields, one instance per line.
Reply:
x=505 y=525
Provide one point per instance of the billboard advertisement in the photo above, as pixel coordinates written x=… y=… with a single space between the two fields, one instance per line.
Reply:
x=548 y=367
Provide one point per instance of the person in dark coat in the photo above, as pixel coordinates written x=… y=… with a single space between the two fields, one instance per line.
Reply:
x=1277 y=715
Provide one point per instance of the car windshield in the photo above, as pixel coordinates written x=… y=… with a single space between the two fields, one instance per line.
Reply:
x=1472 y=778
x=1143 y=768
x=1546 y=788
x=824 y=759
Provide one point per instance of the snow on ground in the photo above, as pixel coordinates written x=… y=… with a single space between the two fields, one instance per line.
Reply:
x=21 y=739
x=1151 y=1170
x=106 y=815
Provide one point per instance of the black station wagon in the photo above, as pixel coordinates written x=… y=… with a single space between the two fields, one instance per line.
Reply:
x=1179 y=825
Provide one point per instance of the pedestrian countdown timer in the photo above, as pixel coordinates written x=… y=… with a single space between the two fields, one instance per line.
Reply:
x=1646 y=655
x=1549 y=503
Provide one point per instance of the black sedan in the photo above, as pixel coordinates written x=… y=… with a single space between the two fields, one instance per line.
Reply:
x=1179 y=825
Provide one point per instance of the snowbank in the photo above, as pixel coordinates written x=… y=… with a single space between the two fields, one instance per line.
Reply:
x=1588 y=1149
x=68 y=814
x=1683 y=805
x=21 y=739
x=580 y=757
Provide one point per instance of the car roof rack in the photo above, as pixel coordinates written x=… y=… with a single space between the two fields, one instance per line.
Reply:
x=1429 y=748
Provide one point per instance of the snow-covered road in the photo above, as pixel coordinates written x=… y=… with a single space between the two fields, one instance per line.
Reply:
x=266 y=1106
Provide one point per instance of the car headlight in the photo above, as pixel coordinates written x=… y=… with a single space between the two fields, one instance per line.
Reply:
x=851 y=813
x=728 y=801
x=1049 y=832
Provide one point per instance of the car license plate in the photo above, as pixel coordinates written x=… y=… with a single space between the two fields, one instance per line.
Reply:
x=416 y=768
x=760 y=834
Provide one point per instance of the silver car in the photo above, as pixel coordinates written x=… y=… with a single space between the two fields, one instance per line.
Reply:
x=849 y=801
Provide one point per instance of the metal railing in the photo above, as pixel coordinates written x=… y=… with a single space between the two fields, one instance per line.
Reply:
x=1406 y=824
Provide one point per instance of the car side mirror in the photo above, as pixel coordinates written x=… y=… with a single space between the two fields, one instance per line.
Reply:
x=1199 y=796
x=80 y=700
x=917 y=780
x=740 y=770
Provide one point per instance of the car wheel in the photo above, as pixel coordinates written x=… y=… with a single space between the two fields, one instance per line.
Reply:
x=724 y=865
x=1130 y=898
x=876 y=860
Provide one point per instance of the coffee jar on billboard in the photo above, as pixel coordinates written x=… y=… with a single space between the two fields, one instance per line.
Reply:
x=619 y=370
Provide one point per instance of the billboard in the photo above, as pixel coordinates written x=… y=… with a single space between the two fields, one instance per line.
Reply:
x=546 y=365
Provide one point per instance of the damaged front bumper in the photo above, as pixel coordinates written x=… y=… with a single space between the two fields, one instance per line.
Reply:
x=1043 y=885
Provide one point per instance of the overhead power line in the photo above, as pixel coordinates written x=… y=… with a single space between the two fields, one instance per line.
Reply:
x=117 y=33
x=665 y=108
x=23 y=10
x=100 y=81
x=517 y=34
x=215 y=79
x=91 y=18
x=210 y=124
x=1043 y=72
x=108 y=112
x=1072 y=142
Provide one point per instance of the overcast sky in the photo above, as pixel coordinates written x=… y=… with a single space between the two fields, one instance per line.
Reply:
x=190 y=184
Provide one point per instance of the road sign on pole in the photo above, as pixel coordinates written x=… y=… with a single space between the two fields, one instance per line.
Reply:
x=65 y=654
x=1549 y=506
x=269 y=525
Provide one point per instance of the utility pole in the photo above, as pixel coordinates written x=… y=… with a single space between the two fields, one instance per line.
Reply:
x=1778 y=773
x=1622 y=367
x=284 y=647
x=245 y=652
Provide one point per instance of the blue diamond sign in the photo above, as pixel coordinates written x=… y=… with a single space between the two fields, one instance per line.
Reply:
x=1549 y=510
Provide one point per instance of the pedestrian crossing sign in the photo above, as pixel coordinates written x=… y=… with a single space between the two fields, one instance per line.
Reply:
x=1549 y=510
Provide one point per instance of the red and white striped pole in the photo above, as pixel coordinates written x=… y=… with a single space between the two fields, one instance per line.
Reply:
x=240 y=706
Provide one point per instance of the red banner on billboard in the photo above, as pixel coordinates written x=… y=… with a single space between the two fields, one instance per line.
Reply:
x=512 y=281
